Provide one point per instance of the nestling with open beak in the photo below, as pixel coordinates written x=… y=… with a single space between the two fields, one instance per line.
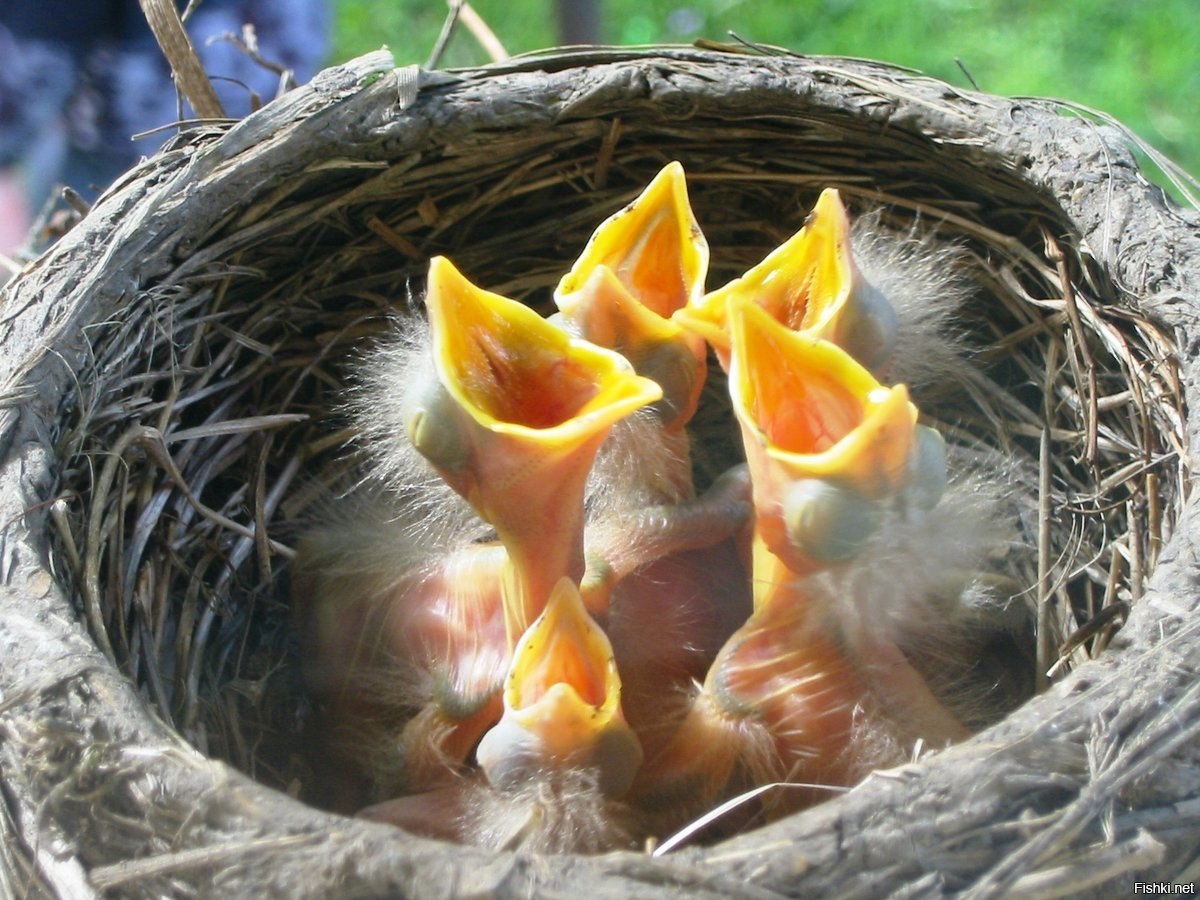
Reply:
x=641 y=265
x=560 y=756
x=810 y=283
x=510 y=413
x=829 y=449
x=530 y=630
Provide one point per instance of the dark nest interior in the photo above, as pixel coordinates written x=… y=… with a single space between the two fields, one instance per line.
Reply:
x=206 y=425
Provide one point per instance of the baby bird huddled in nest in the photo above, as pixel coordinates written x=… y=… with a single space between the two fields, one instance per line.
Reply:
x=527 y=628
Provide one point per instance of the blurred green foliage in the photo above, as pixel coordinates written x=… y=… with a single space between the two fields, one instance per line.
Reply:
x=1135 y=61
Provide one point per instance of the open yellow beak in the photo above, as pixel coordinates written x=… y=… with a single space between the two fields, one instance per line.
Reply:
x=562 y=703
x=808 y=283
x=604 y=312
x=640 y=266
x=812 y=416
x=653 y=246
x=513 y=424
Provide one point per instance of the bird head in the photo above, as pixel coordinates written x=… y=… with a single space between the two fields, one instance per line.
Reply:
x=809 y=283
x=517 y=398
x=640 y=266
x=562 y=703
x=513 y=421
x=824 y=440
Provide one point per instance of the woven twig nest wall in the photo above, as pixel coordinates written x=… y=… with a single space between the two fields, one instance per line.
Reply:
x=173 y=370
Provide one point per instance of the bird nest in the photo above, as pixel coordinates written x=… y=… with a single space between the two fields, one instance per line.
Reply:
x=173 y=418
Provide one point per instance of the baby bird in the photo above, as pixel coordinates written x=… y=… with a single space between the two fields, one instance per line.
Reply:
x=804 y=691
x=640 y=265
x=531 y=631
x=811 y=283
x=510 y=414
x=513 y=423
x=552 y=769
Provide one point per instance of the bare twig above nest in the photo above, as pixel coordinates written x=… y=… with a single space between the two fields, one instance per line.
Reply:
x=462 y=11
x=193 y=81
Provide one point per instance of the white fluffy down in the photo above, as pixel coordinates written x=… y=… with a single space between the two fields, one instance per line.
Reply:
x=925 y=280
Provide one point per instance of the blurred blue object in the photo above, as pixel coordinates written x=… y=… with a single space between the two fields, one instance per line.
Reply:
x=79 y=79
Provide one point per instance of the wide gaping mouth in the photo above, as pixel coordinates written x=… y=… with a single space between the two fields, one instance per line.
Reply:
x=514 y=372
x=565 y=657
x=810 y=407
x=804 y=283
x=562 y=703
x=654 y=247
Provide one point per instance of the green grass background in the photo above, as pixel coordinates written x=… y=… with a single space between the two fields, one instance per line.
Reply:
x=1137 y=61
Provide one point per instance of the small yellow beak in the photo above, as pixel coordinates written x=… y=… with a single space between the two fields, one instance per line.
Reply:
x=514 y=423
x=641 y=265
x=807 y=410
x=808 y=283
x=562 y=703
x=604 y=312
x=654 y=246
x=525 y=384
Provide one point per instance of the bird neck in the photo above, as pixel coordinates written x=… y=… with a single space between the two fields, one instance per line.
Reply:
x=775 y=583
x=539 y=554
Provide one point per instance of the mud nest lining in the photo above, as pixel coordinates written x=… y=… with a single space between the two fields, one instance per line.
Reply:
x=190 y=398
